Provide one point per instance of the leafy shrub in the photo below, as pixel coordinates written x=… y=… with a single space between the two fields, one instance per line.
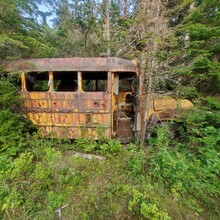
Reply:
x=103 y=145
x=12 y=125
x=9 y=98
x=187 y=166
x=28 y=178
x=136 y=164
x=211 y=102
x=192 y=166
x=141 y=203
x=12 y=132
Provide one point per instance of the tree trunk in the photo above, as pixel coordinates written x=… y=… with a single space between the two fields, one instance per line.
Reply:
x=149 y=72
x=125 y=6
x=107 y=26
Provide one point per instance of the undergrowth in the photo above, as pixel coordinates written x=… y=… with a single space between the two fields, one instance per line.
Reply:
x=175 y=177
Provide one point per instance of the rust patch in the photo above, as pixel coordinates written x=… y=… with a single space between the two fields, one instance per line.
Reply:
x=64 y=115
x=69 y=64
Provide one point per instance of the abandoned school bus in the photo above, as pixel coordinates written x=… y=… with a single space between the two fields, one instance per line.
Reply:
x=74 y=97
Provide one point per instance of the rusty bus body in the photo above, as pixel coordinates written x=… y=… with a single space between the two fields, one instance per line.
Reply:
x=74 y=97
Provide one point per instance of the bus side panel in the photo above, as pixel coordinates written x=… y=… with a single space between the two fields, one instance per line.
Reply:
x=69 y=114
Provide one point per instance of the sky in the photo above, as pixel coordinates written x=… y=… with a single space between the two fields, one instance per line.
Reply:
x=45 y=8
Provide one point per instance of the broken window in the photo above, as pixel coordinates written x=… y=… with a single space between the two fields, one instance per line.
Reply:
x=37 y=81
x=127 y=83
x=94 y=81
x=124 y=85
x=65 y=81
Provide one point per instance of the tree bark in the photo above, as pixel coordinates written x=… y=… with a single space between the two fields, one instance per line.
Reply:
x=150 y=70
x=107 y=26
x=125 y=6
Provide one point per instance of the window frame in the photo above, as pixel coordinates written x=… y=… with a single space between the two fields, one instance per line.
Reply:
x=24 y=81
x=108 y=76
x=79 y=80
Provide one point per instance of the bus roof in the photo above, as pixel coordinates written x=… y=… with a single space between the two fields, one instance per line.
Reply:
x=69 y=64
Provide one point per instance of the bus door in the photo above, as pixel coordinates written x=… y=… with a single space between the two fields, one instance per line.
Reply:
x=123 y=107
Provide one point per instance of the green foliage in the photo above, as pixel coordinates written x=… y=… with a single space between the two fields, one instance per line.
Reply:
x=77 y=29
x=136 y=164
x=191 y=166
x=9 y=98
x=201 y=50
x=27 y=162
x=20 y=32
x=12 y=138
x=29 y=180
x=12 y=125
x=103 y=146
x=187 y=165
x=140 y=203
x=211 y=102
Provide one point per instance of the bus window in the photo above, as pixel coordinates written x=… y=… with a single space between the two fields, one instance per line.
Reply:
x=37 y=81
x=127 y=82
x=124 y=85
x=94 y=81
x=65 y=81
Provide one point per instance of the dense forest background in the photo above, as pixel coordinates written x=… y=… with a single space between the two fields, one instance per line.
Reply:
x=176 y=45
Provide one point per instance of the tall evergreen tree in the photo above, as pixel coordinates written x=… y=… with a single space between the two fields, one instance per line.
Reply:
x=76 y=26
x=199 y=37
x=20 y=33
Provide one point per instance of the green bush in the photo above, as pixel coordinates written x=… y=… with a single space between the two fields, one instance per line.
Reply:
x=28 y=179
x=103 y=145
x=12 y=132
x=141 y=203
x=191 y=167
x=9 y=98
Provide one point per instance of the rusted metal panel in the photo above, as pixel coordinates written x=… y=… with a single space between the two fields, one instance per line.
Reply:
x=74 y=113
x=82 y=103
x=163 y=103
x=124 y=133
x=73 y=133
x=70 y=119
x=168 y=108
x=69 y=64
